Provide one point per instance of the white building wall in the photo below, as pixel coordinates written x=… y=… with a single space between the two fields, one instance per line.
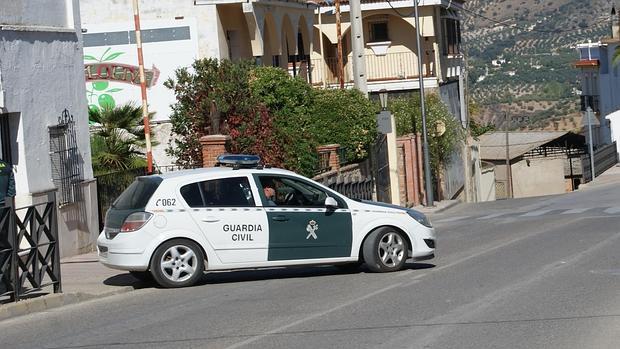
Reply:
x=41 y=74
x=121 y=11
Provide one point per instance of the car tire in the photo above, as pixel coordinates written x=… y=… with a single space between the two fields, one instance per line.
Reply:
x=144 y=276
x=385 y=250
x=177 y=263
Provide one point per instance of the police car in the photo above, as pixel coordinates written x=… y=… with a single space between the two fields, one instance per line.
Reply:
x=174 y=226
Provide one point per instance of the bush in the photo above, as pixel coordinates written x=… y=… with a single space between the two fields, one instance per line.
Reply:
x=407 y=113
x=345 y=117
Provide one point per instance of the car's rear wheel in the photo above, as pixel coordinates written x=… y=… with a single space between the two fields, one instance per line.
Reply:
x=385 y=250
x=177 y=263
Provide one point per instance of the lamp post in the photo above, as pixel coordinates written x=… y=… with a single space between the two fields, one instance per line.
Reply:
x=427 y=169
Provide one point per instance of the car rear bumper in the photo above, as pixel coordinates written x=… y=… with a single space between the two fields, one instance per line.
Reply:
x=114 y=257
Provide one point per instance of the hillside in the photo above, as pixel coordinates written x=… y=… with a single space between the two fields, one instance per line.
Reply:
x=521 y=58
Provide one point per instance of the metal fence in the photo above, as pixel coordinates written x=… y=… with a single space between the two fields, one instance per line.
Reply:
x=29 y=250
x=360 y=189
x=604 y=158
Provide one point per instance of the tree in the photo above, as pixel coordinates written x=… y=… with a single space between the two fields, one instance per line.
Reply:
x=441 y=145
x=206 y=95
x=117 y=140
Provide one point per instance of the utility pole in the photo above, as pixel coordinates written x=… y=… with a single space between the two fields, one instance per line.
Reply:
x=589 y=113
x=145 y=108
x=357 y=35
x=509 y=192
x=339 y=36
x=465 y=123
x=427 y=166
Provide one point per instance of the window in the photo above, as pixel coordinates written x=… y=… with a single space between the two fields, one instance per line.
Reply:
x=66 y=162
x=293 y=192
x=5 y=139
x=224 y=192
x=137 y=195
x=452 y=32
x=379 y=31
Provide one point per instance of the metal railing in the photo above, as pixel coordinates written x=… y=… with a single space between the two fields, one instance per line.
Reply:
x=604 y=158
x=29 y=249
x=323 y=163
x=392 y=66
x=360 y=189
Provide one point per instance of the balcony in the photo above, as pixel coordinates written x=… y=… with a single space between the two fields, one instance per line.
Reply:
x=385 y=68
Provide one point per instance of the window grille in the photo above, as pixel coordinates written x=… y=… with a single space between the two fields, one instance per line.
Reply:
x=66 y=164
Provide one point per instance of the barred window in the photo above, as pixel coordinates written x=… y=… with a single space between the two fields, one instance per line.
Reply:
x=452 y=32
x=66 y=165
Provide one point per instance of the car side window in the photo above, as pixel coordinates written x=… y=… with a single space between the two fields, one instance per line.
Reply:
x=286 y=191
x=223 y=192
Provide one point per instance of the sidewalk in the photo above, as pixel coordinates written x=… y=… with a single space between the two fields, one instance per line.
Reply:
x=439 y=206
x=611 y=176
x=83 y=278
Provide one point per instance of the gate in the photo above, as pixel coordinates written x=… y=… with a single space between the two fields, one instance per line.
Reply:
x=29 y=249
x=382 y=173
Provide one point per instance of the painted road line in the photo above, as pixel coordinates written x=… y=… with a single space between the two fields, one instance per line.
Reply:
x=451 y=219
x=576 y=210
x=494 y=215
x=535 y=213
x=613 y=210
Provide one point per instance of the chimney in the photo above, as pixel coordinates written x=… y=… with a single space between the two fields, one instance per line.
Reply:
x=615 y=24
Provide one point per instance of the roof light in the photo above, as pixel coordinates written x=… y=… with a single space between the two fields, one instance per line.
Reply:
x=239 y=160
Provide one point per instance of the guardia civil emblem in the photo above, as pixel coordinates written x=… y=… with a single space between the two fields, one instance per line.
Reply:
x=311 y=229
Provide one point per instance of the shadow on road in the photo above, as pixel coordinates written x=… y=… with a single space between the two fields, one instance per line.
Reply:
x=248 y=275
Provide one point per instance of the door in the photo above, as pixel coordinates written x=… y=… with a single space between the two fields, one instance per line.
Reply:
x=226 y=212
x=300 y=226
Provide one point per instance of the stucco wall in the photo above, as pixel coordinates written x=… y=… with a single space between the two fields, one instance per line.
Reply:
x=540 y=177
x=121 y=11
x=486 y=191
x=41 y=74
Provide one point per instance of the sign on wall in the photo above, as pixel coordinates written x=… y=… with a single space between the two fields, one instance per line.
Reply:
x=111 y=62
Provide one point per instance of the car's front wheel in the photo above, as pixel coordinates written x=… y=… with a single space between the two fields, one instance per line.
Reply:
x=385 y=249
x=177 y=263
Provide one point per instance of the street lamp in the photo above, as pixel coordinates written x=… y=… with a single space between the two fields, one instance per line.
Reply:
x=427 y=169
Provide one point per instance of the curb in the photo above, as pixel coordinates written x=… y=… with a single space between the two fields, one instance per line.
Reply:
x=51 y=301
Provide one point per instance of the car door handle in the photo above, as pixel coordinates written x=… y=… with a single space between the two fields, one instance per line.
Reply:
x=210 y=220
x=280 y=218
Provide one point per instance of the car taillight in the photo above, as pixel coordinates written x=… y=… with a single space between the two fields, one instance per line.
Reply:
x=135 y=221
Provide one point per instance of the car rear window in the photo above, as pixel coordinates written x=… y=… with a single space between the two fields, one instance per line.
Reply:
x=137 y=195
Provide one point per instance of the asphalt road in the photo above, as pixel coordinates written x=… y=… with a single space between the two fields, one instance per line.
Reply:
x=529 y=273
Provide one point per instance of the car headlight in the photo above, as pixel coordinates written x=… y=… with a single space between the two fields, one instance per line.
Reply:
x=420 y=217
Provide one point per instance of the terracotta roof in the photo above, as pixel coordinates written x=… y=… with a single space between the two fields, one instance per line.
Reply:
x=587 y=63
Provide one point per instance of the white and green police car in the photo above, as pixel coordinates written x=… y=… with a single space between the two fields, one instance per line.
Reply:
x=176 y=225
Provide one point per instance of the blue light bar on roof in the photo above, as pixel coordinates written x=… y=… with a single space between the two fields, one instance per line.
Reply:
x=243 y=160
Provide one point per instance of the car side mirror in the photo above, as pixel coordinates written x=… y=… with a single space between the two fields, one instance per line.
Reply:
x=331 y=203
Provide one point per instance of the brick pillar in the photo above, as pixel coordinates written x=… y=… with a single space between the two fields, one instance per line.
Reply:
x=334 y=158
x=212 y=147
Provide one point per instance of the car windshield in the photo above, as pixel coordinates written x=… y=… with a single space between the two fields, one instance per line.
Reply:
x=137 y=195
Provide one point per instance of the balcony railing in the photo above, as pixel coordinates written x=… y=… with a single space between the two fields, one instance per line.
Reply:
x=392 y=66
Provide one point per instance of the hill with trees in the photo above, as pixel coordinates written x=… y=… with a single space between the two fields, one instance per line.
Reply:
x=521 y=56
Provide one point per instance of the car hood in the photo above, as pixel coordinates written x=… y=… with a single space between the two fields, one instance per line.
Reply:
x=383 y=204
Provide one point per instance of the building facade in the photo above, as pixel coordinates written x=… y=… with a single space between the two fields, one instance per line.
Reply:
x=390 y=47
x=43 y=114
x=600 y=81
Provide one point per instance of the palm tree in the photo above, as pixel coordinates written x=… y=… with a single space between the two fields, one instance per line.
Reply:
x=117 y=138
